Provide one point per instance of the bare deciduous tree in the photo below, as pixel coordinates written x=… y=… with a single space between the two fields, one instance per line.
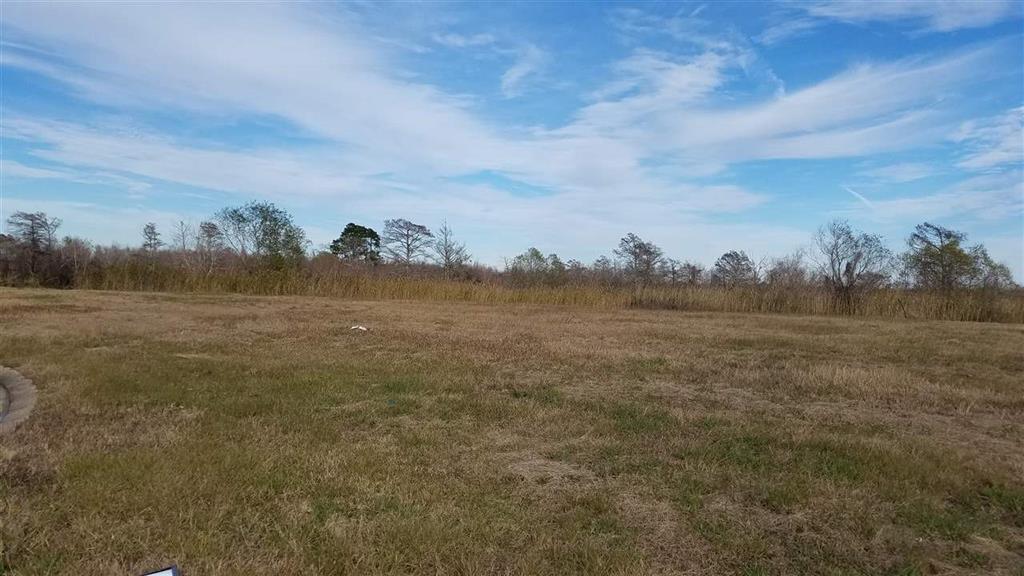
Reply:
x=76 y=252
x=35 y=230
x=988 y=273
x=787 y=271
x=209 y=242
x=692 y=273
x=405 y=242
x=183 y=237
x=34 y=236
x=851 y=262
x=640 y=260
x=671 y=270
x=449 y=252
x=605 y=271
x=735 y=268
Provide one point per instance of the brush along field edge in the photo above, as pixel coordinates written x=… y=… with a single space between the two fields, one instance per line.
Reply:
x=981 y=306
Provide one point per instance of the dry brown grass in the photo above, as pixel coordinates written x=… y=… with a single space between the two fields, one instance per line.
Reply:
x=258 y=435
x=967 y=305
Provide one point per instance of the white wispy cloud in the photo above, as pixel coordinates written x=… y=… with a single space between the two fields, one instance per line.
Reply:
x=529 y=61
x=688 y=29
x=11 y=168
x=987 y=197
x=90 y=151
x=216 y=59
x=794 y=19
x=868 y=109
x=453 y=40
x=790 y=27
x=14 y=169
x=928 y=15
x=649 y=79
x=901 y=172
x=992 y=143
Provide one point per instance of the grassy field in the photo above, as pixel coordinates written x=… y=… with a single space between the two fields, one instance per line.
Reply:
x=260 y=435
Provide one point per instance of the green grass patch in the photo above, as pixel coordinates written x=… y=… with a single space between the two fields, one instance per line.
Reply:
x=641 y=419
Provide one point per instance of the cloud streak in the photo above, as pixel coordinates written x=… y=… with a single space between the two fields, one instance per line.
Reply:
x=453 y=40
x=927 y=15
x=859 y=197
x=529 y=62
x=899 y=173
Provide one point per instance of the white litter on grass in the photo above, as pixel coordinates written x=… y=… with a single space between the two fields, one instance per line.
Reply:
x=358 y=327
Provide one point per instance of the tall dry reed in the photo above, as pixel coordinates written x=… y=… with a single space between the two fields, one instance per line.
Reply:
x=887 y=303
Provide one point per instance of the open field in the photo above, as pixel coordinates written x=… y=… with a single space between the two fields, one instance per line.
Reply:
x=260 y=435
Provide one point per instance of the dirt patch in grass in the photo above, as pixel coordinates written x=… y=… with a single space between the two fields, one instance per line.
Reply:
x=536 y=469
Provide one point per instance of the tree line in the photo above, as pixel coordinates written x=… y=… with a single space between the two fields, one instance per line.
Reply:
x=846 y=261
x=258 y=236
x=262 y=235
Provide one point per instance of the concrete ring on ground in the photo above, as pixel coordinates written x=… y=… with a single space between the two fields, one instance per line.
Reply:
x=17 y=397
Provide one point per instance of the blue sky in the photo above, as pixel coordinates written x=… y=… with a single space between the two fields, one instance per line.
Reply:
x=703 y=127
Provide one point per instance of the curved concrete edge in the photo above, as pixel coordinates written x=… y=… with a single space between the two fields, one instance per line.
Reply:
x=21 y=398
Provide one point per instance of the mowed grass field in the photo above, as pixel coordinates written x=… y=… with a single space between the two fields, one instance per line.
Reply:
x=260 y=435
